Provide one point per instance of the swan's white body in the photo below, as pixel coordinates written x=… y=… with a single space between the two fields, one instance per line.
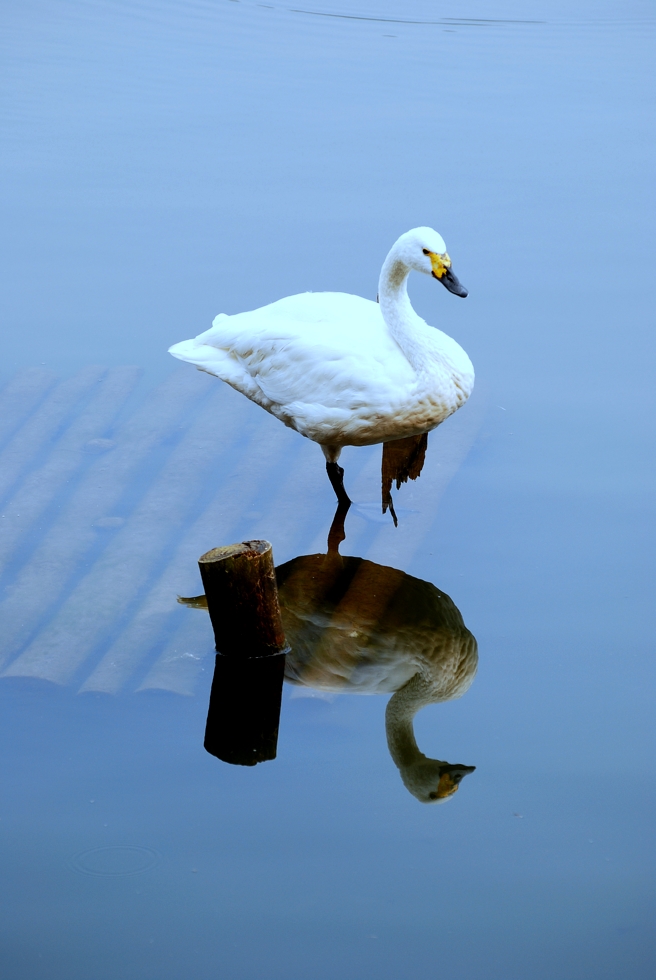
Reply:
x=340 y=369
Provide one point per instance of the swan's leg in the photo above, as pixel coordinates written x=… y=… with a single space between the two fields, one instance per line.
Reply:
x=388 y=503
x=337 y=534
x=336 y=473
x=336 y=476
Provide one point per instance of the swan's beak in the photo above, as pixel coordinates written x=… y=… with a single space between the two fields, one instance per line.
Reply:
x=453 y=284
x=450 y=780
x=441 y=265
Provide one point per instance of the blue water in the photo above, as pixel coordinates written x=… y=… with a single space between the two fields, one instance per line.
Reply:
x=164 y=162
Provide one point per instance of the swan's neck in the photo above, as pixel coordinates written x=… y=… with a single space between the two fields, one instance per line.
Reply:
x=401 y=710
x=429 y=780
x=402 y=321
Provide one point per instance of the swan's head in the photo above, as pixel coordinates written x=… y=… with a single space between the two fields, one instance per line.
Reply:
x=424 y=250
x=431 y=781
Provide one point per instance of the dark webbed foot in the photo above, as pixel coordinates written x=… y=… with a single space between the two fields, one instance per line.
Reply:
x=336 y=476
x=388 y=504
x=403 y=460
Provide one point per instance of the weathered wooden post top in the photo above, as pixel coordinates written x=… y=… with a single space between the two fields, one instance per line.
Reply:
x=242 y=599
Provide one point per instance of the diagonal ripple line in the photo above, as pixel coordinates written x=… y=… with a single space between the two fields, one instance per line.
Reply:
x=459 y=21
x=178 y=666
x=104 y=596
x=20 y=396
x=40 y=488
x=45 y=579
x=216 y=524
x=35 y=436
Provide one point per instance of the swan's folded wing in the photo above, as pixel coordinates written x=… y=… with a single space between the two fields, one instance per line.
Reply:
x=327 y=349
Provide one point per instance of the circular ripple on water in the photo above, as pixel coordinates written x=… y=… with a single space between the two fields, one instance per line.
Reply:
x=115 y=860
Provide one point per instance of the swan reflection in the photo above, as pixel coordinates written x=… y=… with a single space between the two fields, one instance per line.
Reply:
x=356 y=627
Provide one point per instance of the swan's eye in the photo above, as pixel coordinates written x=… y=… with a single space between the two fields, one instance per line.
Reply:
x=425 y=251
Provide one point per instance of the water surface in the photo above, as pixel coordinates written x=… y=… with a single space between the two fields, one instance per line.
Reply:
x=164 y=162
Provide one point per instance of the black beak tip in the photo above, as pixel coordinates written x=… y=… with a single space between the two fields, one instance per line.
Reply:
x=454 y=285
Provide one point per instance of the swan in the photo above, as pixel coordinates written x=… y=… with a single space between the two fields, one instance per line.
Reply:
x=356 y=627
x=343 y=370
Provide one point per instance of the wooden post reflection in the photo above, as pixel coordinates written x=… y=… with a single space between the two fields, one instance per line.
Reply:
x=244 y=710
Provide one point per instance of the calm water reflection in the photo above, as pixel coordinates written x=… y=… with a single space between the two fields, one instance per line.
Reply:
x=354 y=627
x=163 y=163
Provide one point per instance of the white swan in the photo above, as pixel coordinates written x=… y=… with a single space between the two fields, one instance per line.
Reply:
x=342 y=370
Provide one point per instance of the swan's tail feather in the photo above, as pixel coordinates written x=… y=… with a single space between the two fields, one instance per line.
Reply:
x=205 y=358
x=222 y=364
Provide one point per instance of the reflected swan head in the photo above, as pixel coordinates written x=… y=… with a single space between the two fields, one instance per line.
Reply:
x=361 y=628
x=433 y=781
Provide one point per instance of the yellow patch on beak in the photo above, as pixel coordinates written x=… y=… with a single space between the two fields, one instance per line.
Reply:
x=440 y=263
x=445 y=787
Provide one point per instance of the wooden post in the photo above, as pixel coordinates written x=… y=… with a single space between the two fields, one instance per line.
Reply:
x=242 y=600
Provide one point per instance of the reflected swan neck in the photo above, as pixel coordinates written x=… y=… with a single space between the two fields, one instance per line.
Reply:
x=401 y=710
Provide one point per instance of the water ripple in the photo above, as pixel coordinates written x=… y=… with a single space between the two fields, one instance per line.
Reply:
x=115 y=860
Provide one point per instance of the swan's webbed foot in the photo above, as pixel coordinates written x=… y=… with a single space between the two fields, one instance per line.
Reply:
x=388 y=504
x=336 y=476
x=403 y=460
